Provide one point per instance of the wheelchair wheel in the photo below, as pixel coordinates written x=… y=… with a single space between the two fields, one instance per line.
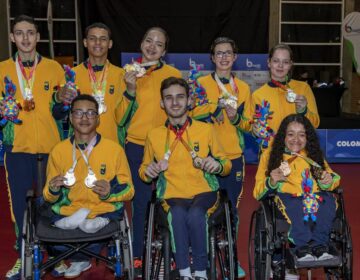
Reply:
x=259 y=239
x=347 y=256
x=222 y=248
x=26 y=251
x=126 y=248
x=149 y=249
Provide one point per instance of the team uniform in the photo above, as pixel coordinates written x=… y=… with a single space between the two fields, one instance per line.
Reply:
x=280 y=107
x=113 y=91
x=140 y=115
x=107 y=161
x=289 y=198
x=27 y=145
x=230 y=133
x=187 y=194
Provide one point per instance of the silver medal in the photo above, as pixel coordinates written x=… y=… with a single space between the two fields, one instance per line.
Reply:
x=28 y=93
x=90 y=179
x=69 y=178
x=290 y=96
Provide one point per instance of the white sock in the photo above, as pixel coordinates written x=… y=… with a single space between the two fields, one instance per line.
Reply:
x=201 y=273
x=73 y=221
x=93 y=225
x=185 y=272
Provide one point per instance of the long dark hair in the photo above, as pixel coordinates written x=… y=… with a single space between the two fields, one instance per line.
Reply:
x=312 y=146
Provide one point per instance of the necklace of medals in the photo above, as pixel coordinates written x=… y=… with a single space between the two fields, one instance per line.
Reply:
x=70 y=174
x=227 y=98
x=99 y=86
x=290 y=94
x=26 y=82
x=178 y=138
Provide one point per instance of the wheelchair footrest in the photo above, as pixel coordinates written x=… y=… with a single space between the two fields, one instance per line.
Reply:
x=335 y=261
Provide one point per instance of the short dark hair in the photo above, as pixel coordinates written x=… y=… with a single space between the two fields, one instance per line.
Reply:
x=160 y=29
x=281 y=47
x=86 y=97
x=168 y=82
x=223 y=40
x=98 y=25
x=26 y=18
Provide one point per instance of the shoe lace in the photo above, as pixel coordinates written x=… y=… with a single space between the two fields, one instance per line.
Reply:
x=137 y=263
x=15 y=269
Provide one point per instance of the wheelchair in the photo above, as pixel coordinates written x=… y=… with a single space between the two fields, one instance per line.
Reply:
x=221 y=243
x=38 y=235
x=268 y=236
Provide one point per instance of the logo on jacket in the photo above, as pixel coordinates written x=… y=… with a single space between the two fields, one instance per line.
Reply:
x=238 y=176
x=196 y=146
x=103 y=169
x=46 y=85
x=111 y=89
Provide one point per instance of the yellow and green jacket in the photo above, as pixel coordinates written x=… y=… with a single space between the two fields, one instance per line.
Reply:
x=39 y=132
x=108 y=162
x=115 y=87
x=182 y=179
x=230 y=133
x=142 y=112
x=280 y=107
x=293 y=183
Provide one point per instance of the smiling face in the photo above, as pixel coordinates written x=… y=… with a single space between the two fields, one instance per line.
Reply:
x=295 y=139
x=153 y=46
x=98 y=42
x=84 y=118
x=25 y=37
x=280 y=64
x=175 y=101
x=224 y=57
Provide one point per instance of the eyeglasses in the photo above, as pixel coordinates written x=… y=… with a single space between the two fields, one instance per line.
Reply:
x=285 y=62
x=90 y=114
x=220 y=54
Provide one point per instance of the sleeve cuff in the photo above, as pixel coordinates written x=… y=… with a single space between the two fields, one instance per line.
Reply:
x=105 y=197
x=129 y=96
x=270 y=186
x=53 y=192
x=217 y=112
x=303 y=111
x=236 y=120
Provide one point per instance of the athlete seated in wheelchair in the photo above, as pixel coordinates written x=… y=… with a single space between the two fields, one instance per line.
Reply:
x=294 y=178
x=184 y=156
x=88 y=179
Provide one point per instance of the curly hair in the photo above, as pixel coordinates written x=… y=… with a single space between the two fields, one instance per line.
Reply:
x=312 y=146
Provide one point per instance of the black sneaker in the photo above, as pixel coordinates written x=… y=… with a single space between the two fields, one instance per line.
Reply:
x=186 y=278
x=303 y=254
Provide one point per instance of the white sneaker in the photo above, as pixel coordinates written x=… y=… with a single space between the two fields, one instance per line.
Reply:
x=76 y=269
x=93 y=225
x=325 y=256
x=306 y=258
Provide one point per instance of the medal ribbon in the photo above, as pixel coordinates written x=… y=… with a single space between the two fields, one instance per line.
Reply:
x=223 y=89
x=280 y=85
x=88 y=151
x=308 y=160
x=179 y=133
x=24 y=80
x=98 y=86
x=152 y=64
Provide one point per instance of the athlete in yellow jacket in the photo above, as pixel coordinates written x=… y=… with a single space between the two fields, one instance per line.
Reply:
x=184 y=155
x=142 y=114
x=27 y=144
x=277 y=97
x=296 y=171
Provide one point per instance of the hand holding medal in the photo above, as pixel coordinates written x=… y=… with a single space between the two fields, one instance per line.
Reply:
x=135 y=67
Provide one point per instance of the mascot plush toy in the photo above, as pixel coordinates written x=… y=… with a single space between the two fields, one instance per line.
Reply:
x=263 y=131
x=197 y=92
x=310 y=200
x=70 y=84
x=11 y=105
